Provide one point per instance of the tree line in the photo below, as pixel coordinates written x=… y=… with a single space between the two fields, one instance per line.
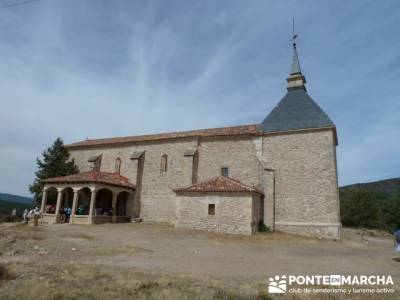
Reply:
x=368 y=208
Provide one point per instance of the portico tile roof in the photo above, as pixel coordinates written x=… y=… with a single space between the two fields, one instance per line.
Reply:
x=113 y=179
x=220 y=184
x=211 y=132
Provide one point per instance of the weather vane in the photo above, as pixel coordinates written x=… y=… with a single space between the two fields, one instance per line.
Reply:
x=294 y=36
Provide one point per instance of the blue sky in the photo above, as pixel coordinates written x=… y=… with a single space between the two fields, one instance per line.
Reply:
x=98 y=68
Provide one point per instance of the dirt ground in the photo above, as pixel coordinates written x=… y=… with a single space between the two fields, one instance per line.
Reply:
x=153 y=261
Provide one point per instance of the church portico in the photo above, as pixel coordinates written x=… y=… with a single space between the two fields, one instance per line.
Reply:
x=86 y=198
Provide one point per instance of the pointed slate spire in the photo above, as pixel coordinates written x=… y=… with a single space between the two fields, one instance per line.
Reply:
x=296 y=110
x=296 y=79
x=295 y=61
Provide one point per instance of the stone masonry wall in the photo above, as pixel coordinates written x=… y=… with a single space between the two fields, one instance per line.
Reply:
x=306 y=189
x=158 y=198
x=237 y=153
x=302 y=175
x=233 y=212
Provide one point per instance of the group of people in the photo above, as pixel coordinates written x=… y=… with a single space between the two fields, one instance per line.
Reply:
x=33 y=213
x=28 y=214
x=65 y=212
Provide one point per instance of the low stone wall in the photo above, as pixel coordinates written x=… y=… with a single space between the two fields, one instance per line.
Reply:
x=48 y=219
x=120 y=219
x=317 y=230
x=80 y=219
x=102 y=219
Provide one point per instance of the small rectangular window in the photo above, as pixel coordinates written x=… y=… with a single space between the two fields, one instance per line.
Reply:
x=225 y=171
x=211 y=209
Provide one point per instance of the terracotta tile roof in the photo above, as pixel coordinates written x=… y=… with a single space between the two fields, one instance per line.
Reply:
x=219 y=184
x=211 y=132
x=93 y=177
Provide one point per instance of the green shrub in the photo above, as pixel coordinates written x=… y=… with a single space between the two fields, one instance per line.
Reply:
x=262 y=227
x=361 y=207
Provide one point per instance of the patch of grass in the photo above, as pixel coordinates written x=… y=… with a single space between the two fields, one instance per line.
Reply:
x=221 y=294
x=263 y=297
x=145 y=286
x=5 y=274
x=49 y=281
x=77 y=235
x=35 y=236
x=60 y=296
x=3 y=271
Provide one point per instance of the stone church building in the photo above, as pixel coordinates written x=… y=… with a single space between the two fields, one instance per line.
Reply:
x=281 y=172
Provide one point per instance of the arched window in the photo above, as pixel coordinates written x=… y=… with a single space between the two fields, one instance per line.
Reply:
x=164 y=163
x=118 y=165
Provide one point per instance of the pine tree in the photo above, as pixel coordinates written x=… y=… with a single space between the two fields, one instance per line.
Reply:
x=56 y=162
x=359 y=209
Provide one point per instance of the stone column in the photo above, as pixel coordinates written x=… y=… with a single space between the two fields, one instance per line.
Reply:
x=59 y=198
x=92 y=205
x=114 y=207
x=269 y=198
x=74 y=204
x=136 y=209
x=44 y=199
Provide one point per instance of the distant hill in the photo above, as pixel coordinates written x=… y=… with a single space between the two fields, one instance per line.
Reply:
x=6 y=208
x=374 y=205
x=388 y=186
x=15 y=198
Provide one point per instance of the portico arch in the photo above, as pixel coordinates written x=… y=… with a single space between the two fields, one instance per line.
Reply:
x=122 y=200
x=83 y=205
x=50 y=201
x=104 y=202
x=67 y=196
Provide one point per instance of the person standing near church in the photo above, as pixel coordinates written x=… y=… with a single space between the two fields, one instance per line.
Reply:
x=25 y=216
x=36 y=216
x=14 y=215
x=68 y=211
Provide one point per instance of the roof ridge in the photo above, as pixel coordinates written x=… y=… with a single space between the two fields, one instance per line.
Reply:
x=214 y=131
x=93 y=176
x=236 y=186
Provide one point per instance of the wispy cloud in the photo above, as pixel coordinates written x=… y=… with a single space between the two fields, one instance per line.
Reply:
x=80 y=69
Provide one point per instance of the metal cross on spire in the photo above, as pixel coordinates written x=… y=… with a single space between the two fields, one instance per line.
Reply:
x=295 y=61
